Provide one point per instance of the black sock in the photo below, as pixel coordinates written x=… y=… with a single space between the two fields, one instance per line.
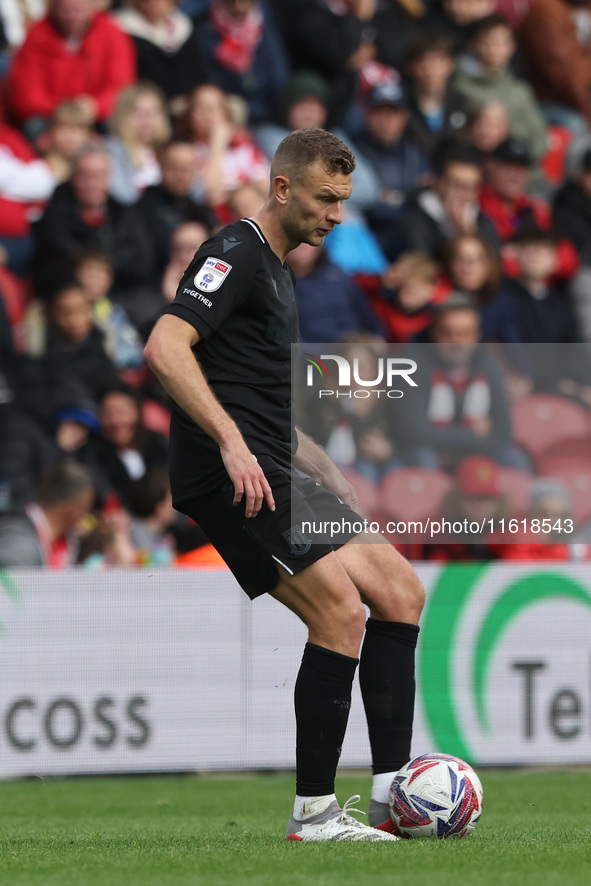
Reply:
x=322 y=702
x=387 y=680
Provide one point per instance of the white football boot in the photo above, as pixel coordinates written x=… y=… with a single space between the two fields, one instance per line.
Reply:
x=335 y=824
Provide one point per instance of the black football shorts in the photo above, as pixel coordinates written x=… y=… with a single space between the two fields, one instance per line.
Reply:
x=254 y=547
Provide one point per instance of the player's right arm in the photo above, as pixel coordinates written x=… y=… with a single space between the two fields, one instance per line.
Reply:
x=168 y=353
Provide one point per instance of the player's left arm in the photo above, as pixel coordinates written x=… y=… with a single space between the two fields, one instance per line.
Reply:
x=313 y=460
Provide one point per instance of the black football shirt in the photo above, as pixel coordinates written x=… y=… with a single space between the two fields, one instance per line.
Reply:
x=241 y=300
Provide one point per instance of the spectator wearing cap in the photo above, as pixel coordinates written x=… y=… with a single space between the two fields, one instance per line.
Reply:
x=304 y=104
x=450 y=206
x=398 y=164
x=504 y=197
x=541 y=309
x=544 y=313
x=437 y=110
x=505 y=200
x=484 y=75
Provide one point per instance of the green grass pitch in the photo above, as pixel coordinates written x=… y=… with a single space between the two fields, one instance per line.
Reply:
x=187 y=831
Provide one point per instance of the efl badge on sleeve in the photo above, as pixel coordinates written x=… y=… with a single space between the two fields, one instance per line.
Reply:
x=212 y=274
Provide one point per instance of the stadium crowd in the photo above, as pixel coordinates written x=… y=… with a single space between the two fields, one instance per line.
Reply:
x=129 y=133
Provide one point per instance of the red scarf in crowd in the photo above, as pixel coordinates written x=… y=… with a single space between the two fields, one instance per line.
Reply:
x=240 y=37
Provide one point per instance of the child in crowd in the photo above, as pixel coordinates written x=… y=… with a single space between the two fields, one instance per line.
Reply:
x=545 y=318
x=93 y=269
x=152 y=513
x=404 y=296
x=436 y=110
x=74 y=344
x=484 y=74
x=70 y=127
x=456 y=19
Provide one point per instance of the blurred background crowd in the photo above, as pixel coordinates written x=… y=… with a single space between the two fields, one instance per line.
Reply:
x=130 y=132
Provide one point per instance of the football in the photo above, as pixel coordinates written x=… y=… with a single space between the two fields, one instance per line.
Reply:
x=436 y=795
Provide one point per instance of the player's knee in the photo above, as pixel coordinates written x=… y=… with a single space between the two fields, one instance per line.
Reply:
x=348 y=617
x=414 y=595
x=354 y=618
x=403 y=596
x=340 y=627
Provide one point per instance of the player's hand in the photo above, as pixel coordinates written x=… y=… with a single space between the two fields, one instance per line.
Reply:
x=337 y=483
x=247 y=477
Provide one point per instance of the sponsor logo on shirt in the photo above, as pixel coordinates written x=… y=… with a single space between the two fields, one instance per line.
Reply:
x=212 y=274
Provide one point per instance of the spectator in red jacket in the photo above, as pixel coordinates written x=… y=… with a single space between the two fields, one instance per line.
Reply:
x=26 y=184
x=504 y=197
x=27 y=181
x=74 y=52
x=404 y=296
x=505 y=200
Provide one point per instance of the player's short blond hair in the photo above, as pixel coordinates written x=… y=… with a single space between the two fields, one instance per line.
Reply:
x=302 y=148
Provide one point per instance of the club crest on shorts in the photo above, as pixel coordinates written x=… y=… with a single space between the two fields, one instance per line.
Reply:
x=212 y=274
x=299 y=544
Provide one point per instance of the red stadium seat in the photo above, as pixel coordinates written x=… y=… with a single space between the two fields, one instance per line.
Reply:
x=413 y=494
x=546 y=422
x=516 y=486
x=575 y=473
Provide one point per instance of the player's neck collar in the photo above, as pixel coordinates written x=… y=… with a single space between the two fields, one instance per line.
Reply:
x=254 y=225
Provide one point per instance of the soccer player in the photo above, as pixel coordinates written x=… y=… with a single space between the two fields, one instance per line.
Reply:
x=222 y=350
